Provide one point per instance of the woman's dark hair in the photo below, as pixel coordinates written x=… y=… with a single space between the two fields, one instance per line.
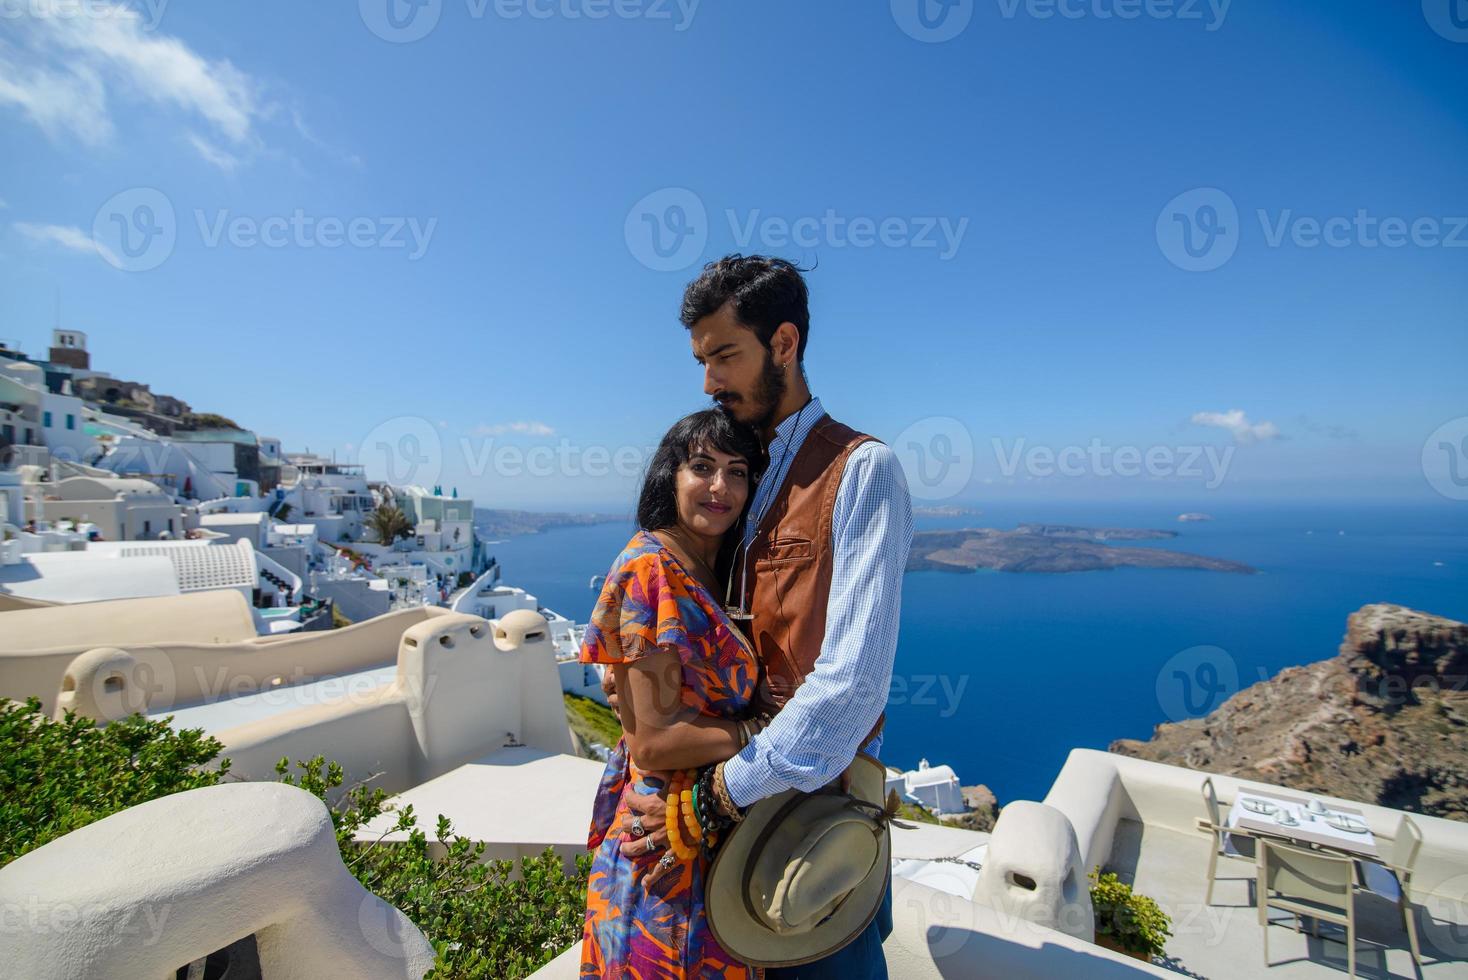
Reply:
x=766 y=292
x=657 y=503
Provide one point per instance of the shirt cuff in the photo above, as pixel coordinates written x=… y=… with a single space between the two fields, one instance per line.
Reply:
x=747 y=781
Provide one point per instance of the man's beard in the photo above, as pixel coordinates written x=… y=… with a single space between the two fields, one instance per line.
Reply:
x=765 y=399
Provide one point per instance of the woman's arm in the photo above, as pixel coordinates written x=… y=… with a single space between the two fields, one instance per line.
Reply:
x=662 y=732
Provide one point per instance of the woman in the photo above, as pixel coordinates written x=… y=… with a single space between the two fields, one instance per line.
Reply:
x=685 y=678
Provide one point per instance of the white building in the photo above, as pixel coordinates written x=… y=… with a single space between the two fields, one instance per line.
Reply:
x=935 y=787
x=122 y=509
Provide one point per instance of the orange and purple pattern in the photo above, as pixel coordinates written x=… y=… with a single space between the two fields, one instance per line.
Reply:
x=658 y=933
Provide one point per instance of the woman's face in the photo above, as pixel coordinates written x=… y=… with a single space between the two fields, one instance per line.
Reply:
x=712 y=487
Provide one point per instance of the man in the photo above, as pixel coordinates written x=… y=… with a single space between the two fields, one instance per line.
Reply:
x=827 y=542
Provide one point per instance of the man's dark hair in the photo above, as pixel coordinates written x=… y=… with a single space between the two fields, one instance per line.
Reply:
x=657 y=503
x=766 y=292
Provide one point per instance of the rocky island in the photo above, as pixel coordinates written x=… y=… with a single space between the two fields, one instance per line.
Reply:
x=506 y=523
x=1384 y=721
x=1052 y=548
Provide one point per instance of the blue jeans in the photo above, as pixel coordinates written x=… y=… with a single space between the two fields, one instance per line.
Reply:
x=860 y=959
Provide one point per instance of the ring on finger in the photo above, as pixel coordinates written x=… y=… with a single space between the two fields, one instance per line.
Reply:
x=666 y=861
x=637 y=828
x=650 y=846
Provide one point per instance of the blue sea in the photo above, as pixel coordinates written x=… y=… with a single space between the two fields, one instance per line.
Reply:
x=999 y=675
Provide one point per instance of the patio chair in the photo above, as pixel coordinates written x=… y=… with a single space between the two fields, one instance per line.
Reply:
x=1305 y=882
x=1226 y=843
x=1391 y=878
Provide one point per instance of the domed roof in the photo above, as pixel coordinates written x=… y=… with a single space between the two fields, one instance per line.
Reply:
x=518 y=625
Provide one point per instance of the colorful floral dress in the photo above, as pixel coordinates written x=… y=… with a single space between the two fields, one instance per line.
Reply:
x=650 y=599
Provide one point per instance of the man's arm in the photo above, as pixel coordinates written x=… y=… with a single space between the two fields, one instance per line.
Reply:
x=815 y=737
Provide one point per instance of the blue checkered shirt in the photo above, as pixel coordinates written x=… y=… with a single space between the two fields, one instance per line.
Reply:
x=815 y=736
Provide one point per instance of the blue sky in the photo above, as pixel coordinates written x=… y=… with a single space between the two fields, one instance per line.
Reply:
x=1001 y=222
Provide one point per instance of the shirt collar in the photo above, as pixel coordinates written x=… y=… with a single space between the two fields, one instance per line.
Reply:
x=785 y=431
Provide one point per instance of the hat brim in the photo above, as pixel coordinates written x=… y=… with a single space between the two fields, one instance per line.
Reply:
x=740 y=931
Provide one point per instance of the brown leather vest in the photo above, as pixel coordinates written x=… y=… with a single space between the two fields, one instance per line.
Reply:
x=789 y=563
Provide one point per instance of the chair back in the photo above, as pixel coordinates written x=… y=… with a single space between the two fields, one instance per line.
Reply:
x=1405 y=845
x=1210 y=802
x=1299 y=873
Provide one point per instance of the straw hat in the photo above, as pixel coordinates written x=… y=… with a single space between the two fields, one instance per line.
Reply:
x=803 y=873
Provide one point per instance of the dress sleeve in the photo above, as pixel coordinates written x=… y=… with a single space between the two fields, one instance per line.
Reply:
x=643 y=605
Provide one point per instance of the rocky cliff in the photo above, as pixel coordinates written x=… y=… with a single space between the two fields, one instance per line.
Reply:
x=1383 y=721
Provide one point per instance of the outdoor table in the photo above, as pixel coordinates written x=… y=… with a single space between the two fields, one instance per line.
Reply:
x=1311 y=829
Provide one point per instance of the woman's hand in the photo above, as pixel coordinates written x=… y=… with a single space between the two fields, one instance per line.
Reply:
x=653 y=809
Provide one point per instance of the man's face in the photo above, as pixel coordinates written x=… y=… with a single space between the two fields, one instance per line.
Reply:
x=738 y=371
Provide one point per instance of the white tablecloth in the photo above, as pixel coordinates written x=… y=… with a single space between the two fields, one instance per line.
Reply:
x=1313 y=823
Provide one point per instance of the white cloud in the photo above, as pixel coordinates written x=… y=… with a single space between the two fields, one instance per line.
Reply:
x=522 y=428
x=66 y=63
x=221 y=158
x=68 y=237
x=1236 y=423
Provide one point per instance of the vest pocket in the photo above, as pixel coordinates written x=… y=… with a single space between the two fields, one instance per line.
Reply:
x=783 y=550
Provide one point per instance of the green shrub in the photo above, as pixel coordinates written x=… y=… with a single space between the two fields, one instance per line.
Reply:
x=57 y=776
x=1135 y=922
x=481 y=923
